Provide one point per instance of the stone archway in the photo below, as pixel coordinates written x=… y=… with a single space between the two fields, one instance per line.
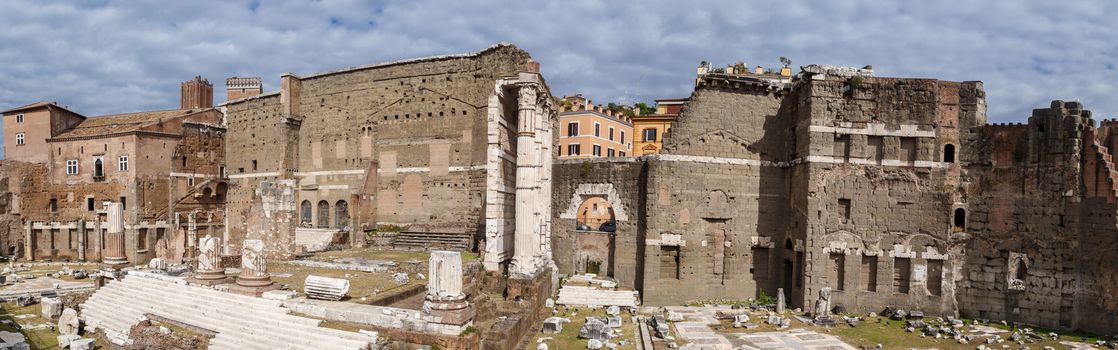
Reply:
x=586 y=191
x=593 y=213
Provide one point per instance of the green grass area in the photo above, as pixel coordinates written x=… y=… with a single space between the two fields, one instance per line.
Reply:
x=361 y=284
x=568 y=338
x=393 y=255
x=43 y=338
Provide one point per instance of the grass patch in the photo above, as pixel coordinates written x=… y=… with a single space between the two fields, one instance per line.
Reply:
x=361 y=284
x=42 y=338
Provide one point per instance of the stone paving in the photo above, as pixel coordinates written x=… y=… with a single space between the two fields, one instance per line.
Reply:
x=695 y=331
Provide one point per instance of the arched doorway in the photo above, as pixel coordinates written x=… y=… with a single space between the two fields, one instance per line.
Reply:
x=341 y=215
x=323 y=214
x=595 y=214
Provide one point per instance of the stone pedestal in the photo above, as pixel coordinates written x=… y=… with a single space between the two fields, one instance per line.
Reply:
x=445 y=297
x=254 y=279
x=210 y=270
x=114 y=239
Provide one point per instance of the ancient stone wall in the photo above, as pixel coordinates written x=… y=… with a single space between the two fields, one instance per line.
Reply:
x=615 y=187
x=882 y=186
x=717 y=199
x=397 y=143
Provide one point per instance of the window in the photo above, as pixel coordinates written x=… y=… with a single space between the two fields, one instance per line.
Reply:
x=650 y=135
x=949 y=153
x=323 y=214
x=611 y=133
x=98 y=168
x=609 y=152
x=572 y=129
x=573 y=150
x=597 y=130
x=19 y=118
x=597 y=151
x=622 y=137
x=54 y=205
x=305 y=208
x=72 y=167
x=221 y=172
x=19 y=139
x=89 y=204
x=621 y=154
x=190 y=181
x=960 y=219
x=844 y=209
x=253 y=165
x=123 y=203
x=122 y=163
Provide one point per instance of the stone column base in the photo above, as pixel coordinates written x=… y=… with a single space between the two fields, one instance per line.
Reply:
x=112 y=264
x=252 y=291
x=254 y=286
x=457 y=317
x=210 y=278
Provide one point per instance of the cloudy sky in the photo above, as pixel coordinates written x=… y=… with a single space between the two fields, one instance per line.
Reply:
x=102 y=57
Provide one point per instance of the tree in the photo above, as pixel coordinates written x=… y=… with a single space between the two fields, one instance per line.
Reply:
x=785 y=61
x=644 y=108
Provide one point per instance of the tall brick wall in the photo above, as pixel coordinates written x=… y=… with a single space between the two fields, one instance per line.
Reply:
x=420 y=125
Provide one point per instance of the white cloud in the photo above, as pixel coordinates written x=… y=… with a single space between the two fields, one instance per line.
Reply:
x=115 y=57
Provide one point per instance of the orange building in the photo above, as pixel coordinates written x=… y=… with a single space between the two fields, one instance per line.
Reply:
x=589 y=131
x=651 y=128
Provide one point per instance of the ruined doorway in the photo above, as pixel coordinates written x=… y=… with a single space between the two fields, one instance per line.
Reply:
x=789 y=271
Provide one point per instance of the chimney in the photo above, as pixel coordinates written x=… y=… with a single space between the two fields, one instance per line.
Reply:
x=238 y=88
x=196 y=94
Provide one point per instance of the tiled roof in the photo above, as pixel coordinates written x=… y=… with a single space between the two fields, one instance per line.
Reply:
x=121 y=123
x=30 y=106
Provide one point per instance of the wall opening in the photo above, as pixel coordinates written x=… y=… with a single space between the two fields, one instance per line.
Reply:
x=869 y=273
x=902 y=272
x=669 y=262
x=323 y=214
x=142 y=239
x=595 y=214
x=935 y=277
x=718 y=241
x=305 y=213
x=949 y=153
x=844 y=209
x=800 y=270
x=960 y=220
x=341 y=215
x=837 y=271
x=760 y=264
x=98 y=169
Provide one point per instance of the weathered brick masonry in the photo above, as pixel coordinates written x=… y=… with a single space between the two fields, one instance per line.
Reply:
x=892 y=192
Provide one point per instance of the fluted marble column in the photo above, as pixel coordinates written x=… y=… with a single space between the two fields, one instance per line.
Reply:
x=527 y=245
x=114 y=237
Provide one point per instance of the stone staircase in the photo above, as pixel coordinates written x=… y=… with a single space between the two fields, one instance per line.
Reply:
x=240 y=322
x=431 y=240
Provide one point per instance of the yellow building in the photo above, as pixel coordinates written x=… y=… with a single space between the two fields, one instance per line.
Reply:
x=589 y=131
x=650 y=129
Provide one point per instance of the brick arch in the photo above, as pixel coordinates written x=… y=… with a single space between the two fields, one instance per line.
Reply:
x=585 y=191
